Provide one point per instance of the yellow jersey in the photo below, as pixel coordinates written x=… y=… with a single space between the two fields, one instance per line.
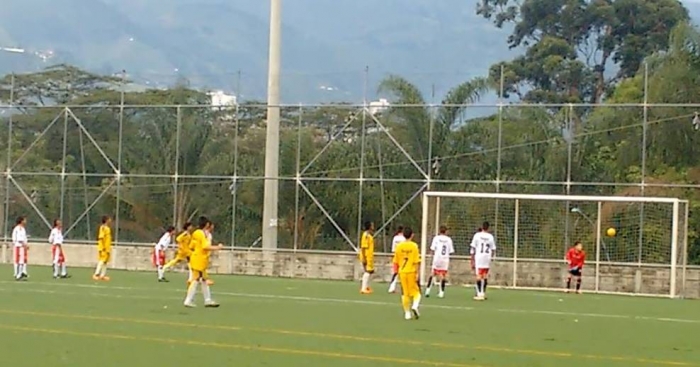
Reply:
x=366 y=247
x=183 y=243
x=407 y=257
x=104 y=238
x=200 y=244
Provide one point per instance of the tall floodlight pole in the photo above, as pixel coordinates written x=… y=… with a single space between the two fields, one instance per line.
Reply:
x=272 y=143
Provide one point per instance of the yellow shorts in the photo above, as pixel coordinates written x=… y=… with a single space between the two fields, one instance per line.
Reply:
x=368 y=266
x=196 y=275
x=104 y=256
x=409 y=284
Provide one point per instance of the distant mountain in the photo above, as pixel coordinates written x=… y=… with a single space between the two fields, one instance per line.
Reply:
x=327 y=44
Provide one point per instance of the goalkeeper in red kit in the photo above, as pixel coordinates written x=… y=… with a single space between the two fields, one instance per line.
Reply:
x=575 y=257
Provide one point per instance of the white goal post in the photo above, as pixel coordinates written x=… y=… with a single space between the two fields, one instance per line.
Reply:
x=647 y=255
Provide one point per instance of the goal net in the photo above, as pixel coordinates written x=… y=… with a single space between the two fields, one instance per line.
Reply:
x=646 y=255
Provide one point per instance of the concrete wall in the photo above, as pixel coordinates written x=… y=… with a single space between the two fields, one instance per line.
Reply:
x=344 y=266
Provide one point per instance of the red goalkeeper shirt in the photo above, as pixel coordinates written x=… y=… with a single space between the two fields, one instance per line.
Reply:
x=575 y=258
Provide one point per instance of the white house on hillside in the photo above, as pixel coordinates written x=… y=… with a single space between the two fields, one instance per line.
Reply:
x=379 y=106
x=220 y=99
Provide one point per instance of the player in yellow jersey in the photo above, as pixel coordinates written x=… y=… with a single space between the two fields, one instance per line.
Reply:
x=210 y=236
x=407 y=258
x=104 y=248
x=199 y=262
x=366 y=256
x=183 y=247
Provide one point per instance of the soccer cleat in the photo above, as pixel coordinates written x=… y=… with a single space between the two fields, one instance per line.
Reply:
x=416 y=314
x=163 y=280
x=441 y=295
x=67 y=276
x=210 y=282
x=579 y=292
x=95 y=277
x=408 y=315
x=211 y=304
x=478 y=298
x=366 y=291
x=189 y=305
x=104 y=278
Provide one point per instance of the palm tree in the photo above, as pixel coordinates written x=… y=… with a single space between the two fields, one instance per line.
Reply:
x=417 y=117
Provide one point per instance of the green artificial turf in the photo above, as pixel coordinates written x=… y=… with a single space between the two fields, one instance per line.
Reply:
x=135 y=321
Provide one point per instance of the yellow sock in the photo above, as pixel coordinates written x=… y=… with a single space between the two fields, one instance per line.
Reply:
x=170 y=263
x=406 y=302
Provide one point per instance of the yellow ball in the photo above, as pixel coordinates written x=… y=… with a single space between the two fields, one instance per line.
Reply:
x=611 y=232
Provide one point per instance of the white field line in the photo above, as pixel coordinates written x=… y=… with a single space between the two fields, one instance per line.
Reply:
x=350 y=301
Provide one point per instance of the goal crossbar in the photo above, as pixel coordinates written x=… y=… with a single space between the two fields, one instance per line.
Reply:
x=619 y=199
x=673 y=219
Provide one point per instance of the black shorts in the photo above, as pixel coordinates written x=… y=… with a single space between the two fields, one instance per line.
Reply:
x=575 y=272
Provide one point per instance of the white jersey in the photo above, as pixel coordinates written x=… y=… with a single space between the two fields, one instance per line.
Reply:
x=442 y=247
x=396 y=240
x=483 y=247
x=19 y=236
x=56 y=237
x=164 y=242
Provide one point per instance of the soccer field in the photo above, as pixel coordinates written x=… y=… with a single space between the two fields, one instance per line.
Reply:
x=135 y=321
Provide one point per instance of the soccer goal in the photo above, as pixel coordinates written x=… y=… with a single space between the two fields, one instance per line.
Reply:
x=646 y=254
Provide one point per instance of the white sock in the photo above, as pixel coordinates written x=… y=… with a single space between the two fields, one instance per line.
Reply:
x=64 y=270
x=16 y=267
x=191 y=291
x=206 y=291
x=365 y=281
x=478 y=289
x=55 y=270
x=428 y=289
x=160 y=272
x=104 y=270
x=98 y=270
x=24 y=269
x=416 y=301
x=392 y=286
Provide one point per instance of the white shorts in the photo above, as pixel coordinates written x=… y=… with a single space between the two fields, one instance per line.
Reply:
x=482 y=262
x=441 y=264
x=19 y=255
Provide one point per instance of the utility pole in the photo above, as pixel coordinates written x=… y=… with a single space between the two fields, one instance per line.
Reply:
x=272 y=143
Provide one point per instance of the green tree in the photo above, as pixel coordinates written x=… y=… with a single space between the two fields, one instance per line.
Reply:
x=572 y=45
x=418 y=123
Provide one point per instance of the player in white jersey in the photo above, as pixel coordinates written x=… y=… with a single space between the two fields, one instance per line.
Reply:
x=58 y=260
x=483 y=249
x=442 y=247
x=398 y=238
x=159 y=252
x=19 y=248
